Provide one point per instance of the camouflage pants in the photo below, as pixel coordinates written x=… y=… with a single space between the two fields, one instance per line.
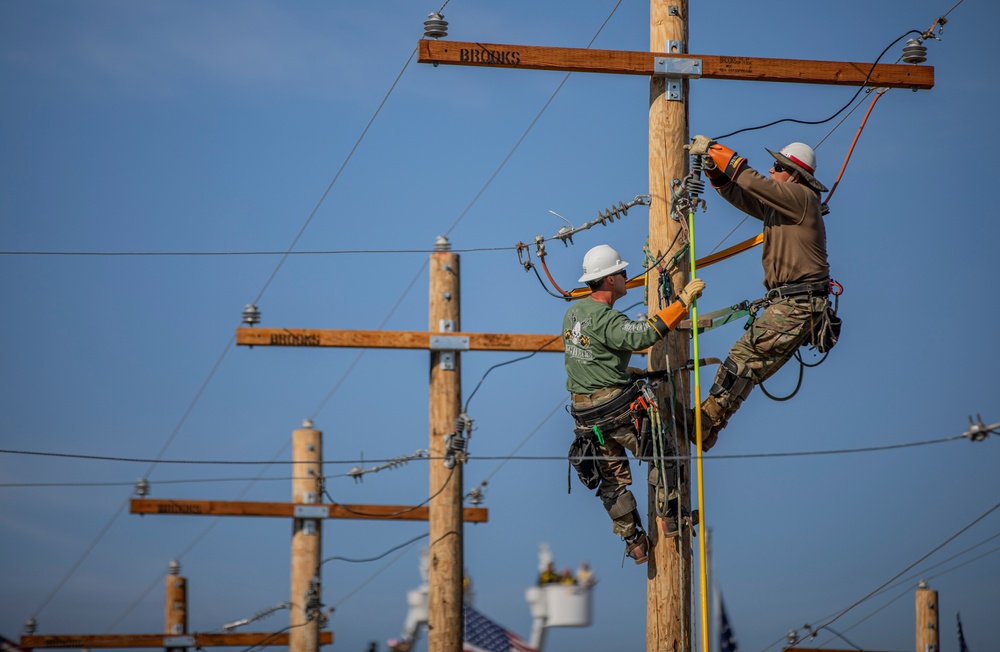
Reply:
x=616 y=476
x=770 y=342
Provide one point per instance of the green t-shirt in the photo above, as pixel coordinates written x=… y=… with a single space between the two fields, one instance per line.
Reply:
x=599 y=342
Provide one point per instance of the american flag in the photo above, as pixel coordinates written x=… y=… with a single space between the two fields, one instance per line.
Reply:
x=962 y=647
x=484 y=635
x=727 y=641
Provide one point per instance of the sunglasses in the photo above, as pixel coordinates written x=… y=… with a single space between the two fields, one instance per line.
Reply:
x=778 y=167
x=623 y=274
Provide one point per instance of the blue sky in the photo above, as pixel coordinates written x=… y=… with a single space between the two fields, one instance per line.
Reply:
x=216 y=127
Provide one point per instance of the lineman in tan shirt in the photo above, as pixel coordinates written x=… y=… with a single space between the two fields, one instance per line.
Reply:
x=796 y=272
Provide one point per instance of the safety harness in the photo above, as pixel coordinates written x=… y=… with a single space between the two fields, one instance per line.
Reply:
x=635 y=407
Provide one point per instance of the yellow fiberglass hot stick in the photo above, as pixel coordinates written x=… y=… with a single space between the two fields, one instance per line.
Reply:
x=703 y=570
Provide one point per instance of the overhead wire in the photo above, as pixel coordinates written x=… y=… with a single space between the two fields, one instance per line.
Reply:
x=225 y=350
x=898 y=575
x=406 y=510
x=126 y=483
x=841 y=110
x=910 y=586
x=908 y=581
x=377 y=557
x=839 y=451
x=86 y=553
x=157 y=580
x=335 y=177
x=462 y=215
x=330 y=252
x=485 y=481
x=505 y=363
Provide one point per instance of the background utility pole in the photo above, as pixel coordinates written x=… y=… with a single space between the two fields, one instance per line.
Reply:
x=927 y=618
x=307 y=541
x=175 y=604
x=668 y=604
x=444 y=628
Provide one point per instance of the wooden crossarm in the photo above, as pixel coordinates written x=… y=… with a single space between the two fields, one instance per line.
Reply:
x=393 y=339
x=802 y=71
x=288 y=510
x=241 y=639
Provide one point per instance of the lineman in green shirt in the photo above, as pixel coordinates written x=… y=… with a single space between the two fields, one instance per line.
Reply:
x=599 y=342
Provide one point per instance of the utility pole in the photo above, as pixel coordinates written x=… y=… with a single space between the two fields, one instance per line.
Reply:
x=927 y=618
x=445 y=554
x=669 y=66
x=307 y=541
x=175 y=604
x=668 y=591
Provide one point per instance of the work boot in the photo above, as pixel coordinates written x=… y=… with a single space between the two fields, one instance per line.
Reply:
x=637 y=547
x=713 y=419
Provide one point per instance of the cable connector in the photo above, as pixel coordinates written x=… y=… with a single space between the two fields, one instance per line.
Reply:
x=456 y=443
x=522 y=249
x=314 y=604
x=456 y=449
x=978 y=431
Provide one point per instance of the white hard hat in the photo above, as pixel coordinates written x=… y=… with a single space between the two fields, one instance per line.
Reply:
x=601 y=261
x=802 y=158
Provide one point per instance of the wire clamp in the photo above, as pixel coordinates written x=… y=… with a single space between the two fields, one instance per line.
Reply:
x=978 y=431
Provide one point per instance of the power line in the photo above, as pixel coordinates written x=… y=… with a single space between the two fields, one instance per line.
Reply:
x=125 y=483
x=334 y=180
x=464 y=212
x=377 y=557
x=908 y=581
x=136 y=460
x=330 y=252
x=841 y=110
x=81 y=559
x=895 y=577
x=194 y=543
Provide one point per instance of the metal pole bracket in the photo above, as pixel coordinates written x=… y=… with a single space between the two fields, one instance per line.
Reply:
x=676 y=70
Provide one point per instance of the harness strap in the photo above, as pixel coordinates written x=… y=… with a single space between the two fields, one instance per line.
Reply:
x=821 y=288
x=610 y=414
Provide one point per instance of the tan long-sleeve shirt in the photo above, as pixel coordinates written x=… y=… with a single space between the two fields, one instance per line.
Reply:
x=794 y=232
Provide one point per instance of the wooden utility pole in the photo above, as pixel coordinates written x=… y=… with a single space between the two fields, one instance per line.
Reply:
x=444 y=625
x=669 y=66
x=307 y=541
x=668 y=592
x=927 y=618
x=175 y=604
